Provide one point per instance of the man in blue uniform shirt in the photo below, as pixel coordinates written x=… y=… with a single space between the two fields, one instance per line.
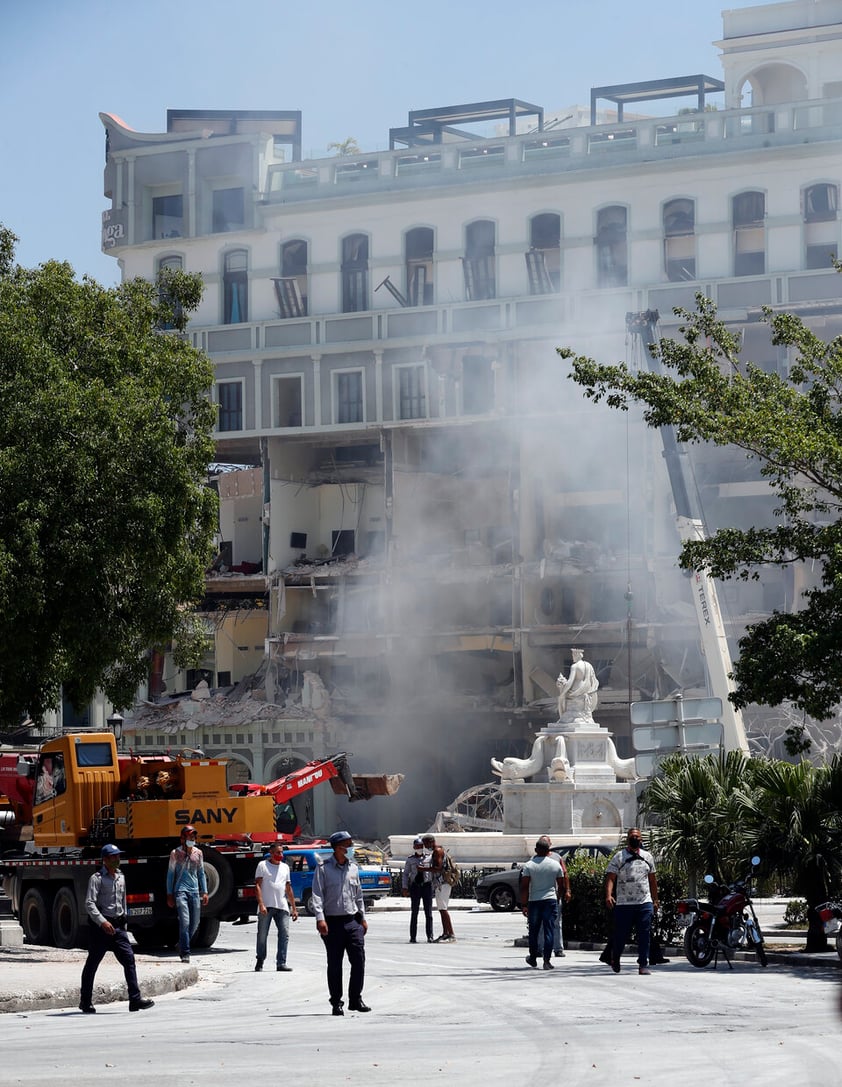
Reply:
x=106 y=906
x=340 y=921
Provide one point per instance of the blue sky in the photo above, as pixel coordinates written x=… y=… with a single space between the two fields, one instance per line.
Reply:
x=352 y=69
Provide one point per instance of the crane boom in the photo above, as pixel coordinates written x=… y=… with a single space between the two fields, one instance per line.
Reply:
x=690 y=527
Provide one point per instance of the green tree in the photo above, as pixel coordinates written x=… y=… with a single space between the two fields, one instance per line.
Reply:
x=701 y=811
x=799 y=830
x=105 y=521
x=348 y=146
x=710 y=815
x=793 y=428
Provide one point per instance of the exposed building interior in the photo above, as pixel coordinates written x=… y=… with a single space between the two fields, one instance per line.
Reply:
x=420 y=514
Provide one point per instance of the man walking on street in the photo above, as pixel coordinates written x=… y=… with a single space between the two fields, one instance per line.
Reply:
x=440 y=888
x=275 y=902
x=187 y=889
x=417 y=882
x=340 y=921
x=558 y=939
x=631 y=890
x=541 y=886
x=106 y=906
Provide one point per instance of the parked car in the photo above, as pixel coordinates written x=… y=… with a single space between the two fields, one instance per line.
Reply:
x=376 y=882
x=501 y=889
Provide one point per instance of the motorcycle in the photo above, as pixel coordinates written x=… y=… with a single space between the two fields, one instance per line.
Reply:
x=830 y=912
x=725 y=924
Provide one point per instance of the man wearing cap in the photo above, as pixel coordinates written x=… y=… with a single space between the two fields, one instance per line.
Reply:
x=187 y=888
x=340 y=921
x=106 y=906
x=417 y=882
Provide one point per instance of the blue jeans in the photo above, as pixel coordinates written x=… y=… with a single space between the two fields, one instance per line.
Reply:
x=558 y=939
x=264 y=923
x=188 y=906
x=541 y=917
x=639 y=915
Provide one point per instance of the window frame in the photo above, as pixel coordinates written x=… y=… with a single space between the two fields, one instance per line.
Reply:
x=479 y=265
x=820 y=227
x=615 y=275
x=219 y=384
x=543 y=277
x=674 y=237
x=746 y=227
x=422 y=395
x=216 y=189
x=231 y=278
x=336 y=377
x=275 y=395
x=360 y=269
x=413 y=265
x=156 y=195
x=298 y=297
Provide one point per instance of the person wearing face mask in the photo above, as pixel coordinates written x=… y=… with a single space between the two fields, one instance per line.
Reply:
x=106 y=906
x=340 y=921
x=631 y=891
x=417 y=882
x=187 y=888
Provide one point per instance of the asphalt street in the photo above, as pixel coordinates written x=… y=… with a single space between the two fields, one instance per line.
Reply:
x=472 y=1010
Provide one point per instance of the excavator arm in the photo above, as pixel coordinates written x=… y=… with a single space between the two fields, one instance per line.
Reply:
x=334 y=770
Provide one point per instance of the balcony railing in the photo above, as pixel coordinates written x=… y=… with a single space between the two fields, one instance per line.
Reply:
x=684 y=134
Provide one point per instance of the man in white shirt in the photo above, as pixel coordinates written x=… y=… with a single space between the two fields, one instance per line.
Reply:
x=275 y=902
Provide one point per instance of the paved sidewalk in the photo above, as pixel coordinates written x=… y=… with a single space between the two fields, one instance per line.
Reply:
x=34 y=978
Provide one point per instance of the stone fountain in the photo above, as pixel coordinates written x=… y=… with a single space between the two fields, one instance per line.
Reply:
x=573 y=786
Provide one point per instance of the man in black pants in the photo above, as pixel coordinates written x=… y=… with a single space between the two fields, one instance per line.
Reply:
x=417 y=882
x=340 y=919
x=106 y=906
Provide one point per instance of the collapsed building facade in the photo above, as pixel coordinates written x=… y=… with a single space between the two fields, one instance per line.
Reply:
x=426 y=514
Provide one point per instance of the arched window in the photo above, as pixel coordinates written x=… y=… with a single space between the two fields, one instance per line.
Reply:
x=611 y=247
x=355 y=273
x=821 y=229
x=679 y=219
x=418 y=247
x=748 y=214
x=478 y=262
x=235 y=287
x=291 y=285
x=543 y=259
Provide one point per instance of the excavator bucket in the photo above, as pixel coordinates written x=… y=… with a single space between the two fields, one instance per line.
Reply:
x=366 y=786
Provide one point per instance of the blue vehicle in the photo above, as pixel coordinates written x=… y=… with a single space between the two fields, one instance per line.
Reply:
x=302 y=861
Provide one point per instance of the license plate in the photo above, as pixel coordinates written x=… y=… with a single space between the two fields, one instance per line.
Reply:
x=140 y=911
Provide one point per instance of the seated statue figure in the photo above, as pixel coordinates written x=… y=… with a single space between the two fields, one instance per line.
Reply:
x=577 y=695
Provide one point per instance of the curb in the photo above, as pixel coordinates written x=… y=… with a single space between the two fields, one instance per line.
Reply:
x=43 y=999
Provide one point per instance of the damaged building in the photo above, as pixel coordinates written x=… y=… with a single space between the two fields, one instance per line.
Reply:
x=425 y=513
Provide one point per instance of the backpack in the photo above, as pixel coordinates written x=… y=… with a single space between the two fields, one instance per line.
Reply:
x=449 y=871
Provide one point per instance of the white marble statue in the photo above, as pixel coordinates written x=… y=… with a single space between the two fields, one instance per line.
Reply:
x=512 y=769
x=577 y=695
x=559 y=768
x=625 y=769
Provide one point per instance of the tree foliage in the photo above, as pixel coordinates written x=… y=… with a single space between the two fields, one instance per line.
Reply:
x=712 y=814
x=105 y=521
x=793 y=427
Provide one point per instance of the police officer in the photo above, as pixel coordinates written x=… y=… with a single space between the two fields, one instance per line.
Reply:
x=106 y=906
x=340 y=921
